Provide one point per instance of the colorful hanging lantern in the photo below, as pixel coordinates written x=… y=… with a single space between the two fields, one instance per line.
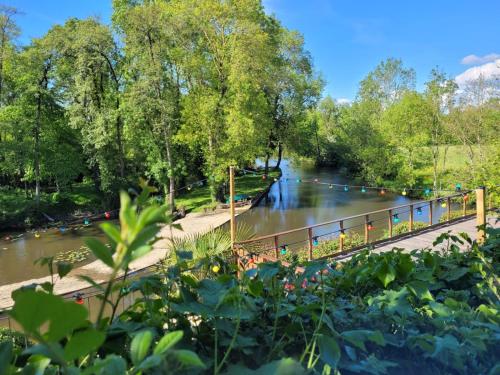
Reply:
x=330 y=186
x=382 y=192
x=443 y=203
x=419 y=211
x=363 y=189
x=107 y=215
x=466 y=197
x=299 y=180
x=275 y=179
x=315 y=241
x=37 y=235
x=86 y=221
x=346 y=188
x=427 y=191
x=189 y=187
x=264 y=176
x=283 y=250
x=215 y=269
x=62 y=229
x=395 y=218
x=458 y=187
x=78 y=298
x=342 y=234
x=370 y=226
x=404 y=192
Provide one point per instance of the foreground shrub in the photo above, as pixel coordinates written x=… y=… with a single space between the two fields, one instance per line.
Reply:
x=390 y=313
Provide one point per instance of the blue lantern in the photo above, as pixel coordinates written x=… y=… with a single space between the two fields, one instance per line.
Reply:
x=283 y=250
x=86 y=221
x=395 y=218
x=419 y=211
x=62 y=229
x=363 y=189
x=346 y=188
x=458 y=187
x=427 y=191
x=315 y=241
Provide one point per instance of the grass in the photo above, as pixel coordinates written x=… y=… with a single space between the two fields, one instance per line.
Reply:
x=18 y=210
x=198 y=199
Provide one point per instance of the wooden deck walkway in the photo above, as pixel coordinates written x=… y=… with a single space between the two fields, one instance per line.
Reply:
x=425 y=239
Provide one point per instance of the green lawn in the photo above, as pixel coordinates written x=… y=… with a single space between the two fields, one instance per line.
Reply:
x=199 y=199
x=18 y=210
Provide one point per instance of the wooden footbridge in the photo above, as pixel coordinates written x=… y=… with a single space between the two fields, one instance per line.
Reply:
x=410 y=226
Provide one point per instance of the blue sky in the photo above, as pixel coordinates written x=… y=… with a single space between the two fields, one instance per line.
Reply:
x=347 y=39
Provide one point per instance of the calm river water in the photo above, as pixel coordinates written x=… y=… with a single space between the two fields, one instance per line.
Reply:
x=288 y=205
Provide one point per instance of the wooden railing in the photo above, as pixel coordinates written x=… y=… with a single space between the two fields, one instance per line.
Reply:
x=273 y=246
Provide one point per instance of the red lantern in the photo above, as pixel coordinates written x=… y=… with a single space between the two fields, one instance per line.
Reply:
x=370 y=226
x=107 y=215
x=78 y=298
x=466 y=197
x=264 y=176
x=382 y=192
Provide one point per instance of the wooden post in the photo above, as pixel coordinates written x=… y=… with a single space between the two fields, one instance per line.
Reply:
x=481 y=213
x=341 y=240
x=309 y=234
x=448 y=211
x=410 y=221
x=464 y=206
x=430 y=213
x=390 y=223
x=276 y=247
x=231 y=205
x=367 y=234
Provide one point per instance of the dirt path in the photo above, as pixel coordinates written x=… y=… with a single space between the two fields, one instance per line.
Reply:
x=192 y=223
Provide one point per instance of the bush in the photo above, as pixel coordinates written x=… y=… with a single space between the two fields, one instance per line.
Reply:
x=390 y=313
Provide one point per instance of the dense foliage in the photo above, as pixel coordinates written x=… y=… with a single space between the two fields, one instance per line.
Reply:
x=174 y=91
x=390 y=313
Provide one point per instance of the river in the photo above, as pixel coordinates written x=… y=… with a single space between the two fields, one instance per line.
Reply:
x=289 y=204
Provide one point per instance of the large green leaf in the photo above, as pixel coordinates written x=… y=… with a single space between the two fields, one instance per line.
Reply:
x=285 y=366
x=140 y=346
x=82 y=343
x=32 y=309
x=360 y=336
x=329 y=351
x=386 y=273
x=168 y=341
x=5 y=356
x=420 y=289
x=188 y=358
x=100 y=251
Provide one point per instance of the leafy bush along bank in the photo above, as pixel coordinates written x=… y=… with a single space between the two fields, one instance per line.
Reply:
x=392 y=313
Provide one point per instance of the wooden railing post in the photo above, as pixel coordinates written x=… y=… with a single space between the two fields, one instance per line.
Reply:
x=464 y=206
x=390 y=223
x=231 y=206
x=341 y=238
x=410 y=221
x=367 y=232
x=430 y=213
x=309 y=234
x=448 y=211
x=276 y=247
x=481 y=213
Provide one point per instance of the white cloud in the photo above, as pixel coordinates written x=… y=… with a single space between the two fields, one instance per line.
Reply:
x=488 y=71
x=343 y=101
x=476 y=60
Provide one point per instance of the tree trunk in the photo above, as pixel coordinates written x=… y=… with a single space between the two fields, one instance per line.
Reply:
x=36 y=155
x=280 y=155
x=266 y=164
x=121 y=161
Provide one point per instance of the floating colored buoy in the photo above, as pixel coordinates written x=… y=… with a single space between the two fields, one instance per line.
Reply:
x=215 y=269
x=419 y=211
x=86 y=221
x=315 y=241
x=395 y=218
x=363 y=189
x=107 y=215
x=404 y=192
x=37 y=235
x=346 y=188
